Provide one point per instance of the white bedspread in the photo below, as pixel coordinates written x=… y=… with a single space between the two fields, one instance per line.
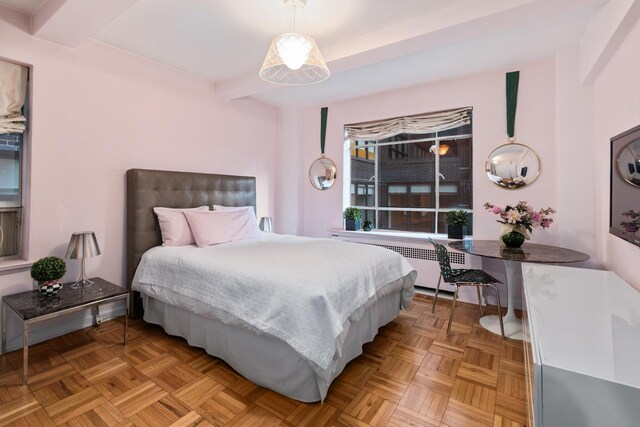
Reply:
x=305 y=291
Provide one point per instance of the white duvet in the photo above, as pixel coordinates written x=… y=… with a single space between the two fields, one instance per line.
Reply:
x=305 y=291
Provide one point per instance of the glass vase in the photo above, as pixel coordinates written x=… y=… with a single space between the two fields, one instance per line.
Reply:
x=513 y=239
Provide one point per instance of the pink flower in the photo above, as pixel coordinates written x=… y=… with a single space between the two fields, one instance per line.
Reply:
x=523 y=214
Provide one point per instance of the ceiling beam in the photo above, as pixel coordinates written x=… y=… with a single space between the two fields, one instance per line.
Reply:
x=15 y=18
x=71 y=22
x=459 y=22
x=604 y=35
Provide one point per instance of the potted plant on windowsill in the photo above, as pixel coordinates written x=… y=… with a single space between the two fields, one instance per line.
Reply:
x=352 y=219
x=456 y=220
x=47 y=272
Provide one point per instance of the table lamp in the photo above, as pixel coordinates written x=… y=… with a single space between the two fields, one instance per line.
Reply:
x=82 y=245
x=266 y=224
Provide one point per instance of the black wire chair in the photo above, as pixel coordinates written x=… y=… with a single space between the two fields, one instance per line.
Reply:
x=462 y=277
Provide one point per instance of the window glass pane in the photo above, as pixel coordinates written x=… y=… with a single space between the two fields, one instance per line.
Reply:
x=10 y=170
x=363 y=170
x=397 y=189
x=371 y=195
x=369 y=215
x=363 y=194
x=405 y=165
x=421 y=196
x=406 y=221
x=10 y=223
x=448 y=188
x=460 y=130
x=419 y=189
x=455 y=175
x=409 y=137
x=353 y=194
x=398 y=196
x=363 y=150
x=370 y=152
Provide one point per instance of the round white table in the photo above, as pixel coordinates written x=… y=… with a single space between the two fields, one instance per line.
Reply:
x=529 y=252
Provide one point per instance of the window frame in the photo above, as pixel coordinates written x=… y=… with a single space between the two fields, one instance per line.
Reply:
x=24 y=179
x=436 y=140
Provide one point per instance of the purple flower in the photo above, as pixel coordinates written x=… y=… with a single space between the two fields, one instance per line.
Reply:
x=496 y=210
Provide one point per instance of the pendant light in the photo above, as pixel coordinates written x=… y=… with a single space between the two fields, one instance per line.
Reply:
x=293 y=58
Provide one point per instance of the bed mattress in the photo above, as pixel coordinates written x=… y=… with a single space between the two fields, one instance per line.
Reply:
x=304 y=292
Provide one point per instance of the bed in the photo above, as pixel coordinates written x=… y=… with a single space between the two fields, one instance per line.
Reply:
x=286 y=312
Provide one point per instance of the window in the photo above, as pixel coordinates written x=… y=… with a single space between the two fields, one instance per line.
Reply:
x=409 y=180
x=13 y=79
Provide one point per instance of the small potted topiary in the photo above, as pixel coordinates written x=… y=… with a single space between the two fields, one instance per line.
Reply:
x=352 y=219
x=47 y=272
x=456 y=220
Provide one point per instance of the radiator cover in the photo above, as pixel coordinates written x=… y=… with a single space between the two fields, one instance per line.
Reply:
x=421 y=255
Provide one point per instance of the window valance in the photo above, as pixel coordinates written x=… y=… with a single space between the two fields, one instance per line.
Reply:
x=13 y=90
x=418 y=124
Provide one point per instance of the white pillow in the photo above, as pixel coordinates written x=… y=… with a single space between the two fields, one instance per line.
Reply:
x=230 y=208
x=174 y=228
x=214 y=227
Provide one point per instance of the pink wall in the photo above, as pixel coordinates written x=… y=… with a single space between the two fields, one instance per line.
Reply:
x=96 y=112
x=617 y=109
x=535 y=126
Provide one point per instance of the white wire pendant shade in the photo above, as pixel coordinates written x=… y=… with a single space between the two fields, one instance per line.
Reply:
x=294 y=59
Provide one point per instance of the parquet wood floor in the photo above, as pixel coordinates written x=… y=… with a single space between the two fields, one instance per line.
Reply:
x=412 y=374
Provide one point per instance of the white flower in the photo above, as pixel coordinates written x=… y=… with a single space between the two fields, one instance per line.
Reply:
x=513 y=216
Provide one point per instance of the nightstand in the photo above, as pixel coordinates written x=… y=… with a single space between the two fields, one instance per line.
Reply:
x=32 y=307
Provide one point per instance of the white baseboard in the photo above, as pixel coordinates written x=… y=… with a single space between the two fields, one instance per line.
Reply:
x=57 y=327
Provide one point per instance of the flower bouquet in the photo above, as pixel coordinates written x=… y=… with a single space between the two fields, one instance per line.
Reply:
x=633 y=225
x=518 y=219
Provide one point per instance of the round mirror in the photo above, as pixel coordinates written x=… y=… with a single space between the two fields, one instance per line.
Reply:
x=629 y=163
x=512 y=166
x=322 y=173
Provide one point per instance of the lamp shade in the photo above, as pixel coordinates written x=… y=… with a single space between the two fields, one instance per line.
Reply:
x=83 y=244
x=294 y=59
x=266 y=224
x=444 y=149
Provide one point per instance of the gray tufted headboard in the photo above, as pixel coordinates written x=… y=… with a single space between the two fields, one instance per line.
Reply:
x=147 y=189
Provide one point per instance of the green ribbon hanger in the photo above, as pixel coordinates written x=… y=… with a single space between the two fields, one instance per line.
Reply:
x=323 y=128
x=513 y=79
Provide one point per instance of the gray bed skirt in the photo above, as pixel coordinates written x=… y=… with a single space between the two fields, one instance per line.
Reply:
x=265 y=360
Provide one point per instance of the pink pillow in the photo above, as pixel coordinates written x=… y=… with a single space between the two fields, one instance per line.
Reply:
x=174 y=228
x=214 y=227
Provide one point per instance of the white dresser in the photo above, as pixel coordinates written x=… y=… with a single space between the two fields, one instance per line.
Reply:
x=583 y=358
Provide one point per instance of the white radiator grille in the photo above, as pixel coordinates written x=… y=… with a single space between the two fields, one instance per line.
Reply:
x=420 y=253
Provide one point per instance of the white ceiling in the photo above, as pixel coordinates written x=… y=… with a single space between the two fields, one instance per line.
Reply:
x=370 y=45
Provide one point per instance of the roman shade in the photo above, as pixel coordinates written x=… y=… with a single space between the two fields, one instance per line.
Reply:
x=418 y=124
x=13 y=90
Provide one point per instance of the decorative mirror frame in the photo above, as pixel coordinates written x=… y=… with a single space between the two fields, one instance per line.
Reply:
x=520 y=183
x=326 y=180
x=635 y=165
x=330 y=180
x=624 y=202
